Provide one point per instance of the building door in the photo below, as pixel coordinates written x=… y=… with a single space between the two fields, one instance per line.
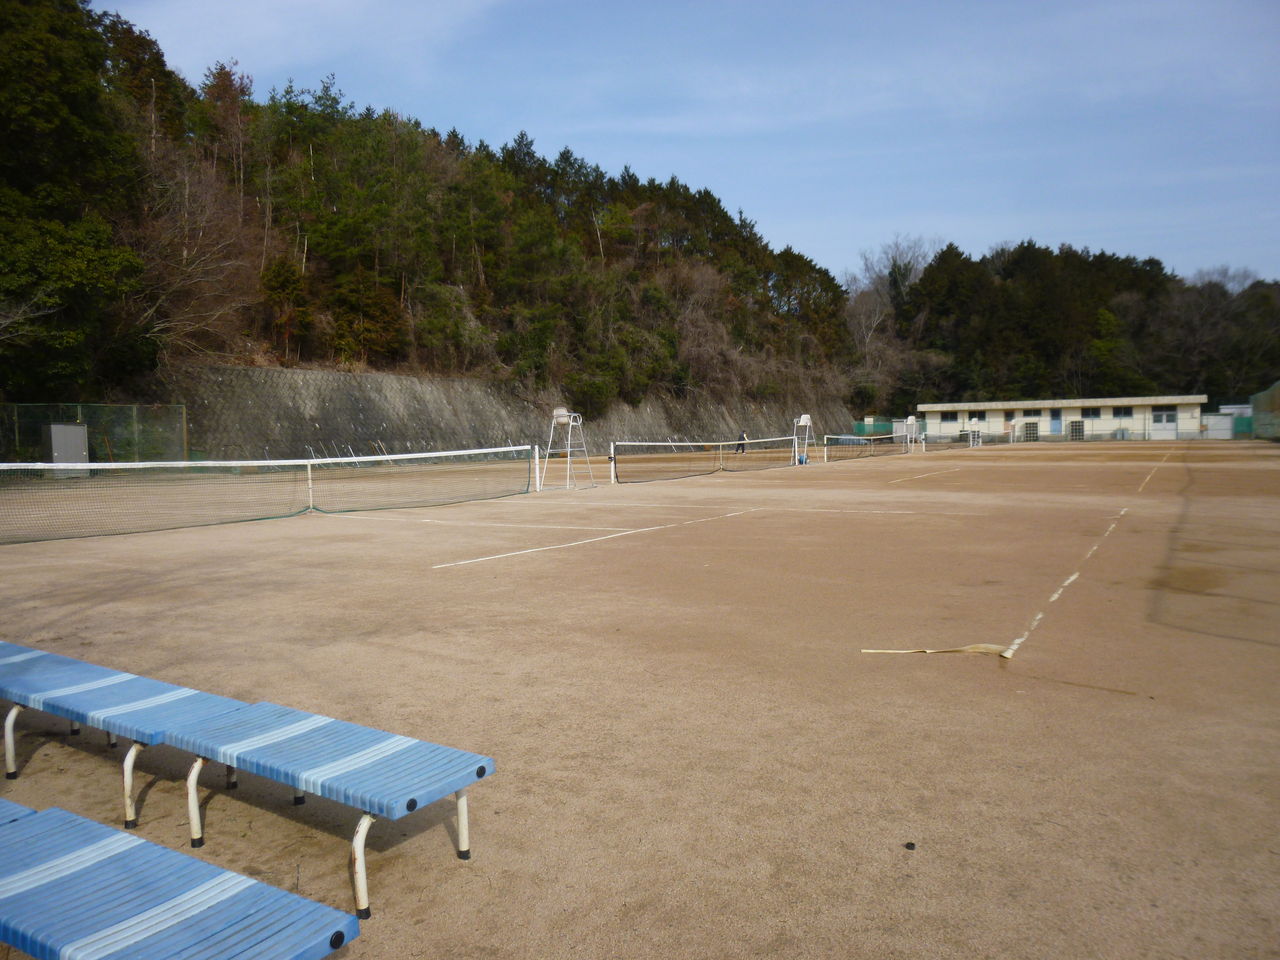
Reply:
x=1055 y=423
x=1164 y=422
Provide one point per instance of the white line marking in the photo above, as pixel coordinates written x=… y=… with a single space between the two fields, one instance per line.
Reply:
x=918 y=476
x=1065 y=583
x=576 y=543
x=575 y=504
x=901 y=513
x=471 y=523
x=1154 y=469
x=835 y=510
x=1013 y=647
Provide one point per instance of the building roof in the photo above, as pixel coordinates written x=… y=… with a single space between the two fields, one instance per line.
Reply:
x=1061 y=404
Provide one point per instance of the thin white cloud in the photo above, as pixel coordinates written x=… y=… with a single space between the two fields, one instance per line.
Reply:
x=274 y=40
x=977 y=121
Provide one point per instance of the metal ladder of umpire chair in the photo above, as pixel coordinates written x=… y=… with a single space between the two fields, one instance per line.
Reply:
x=567 y=441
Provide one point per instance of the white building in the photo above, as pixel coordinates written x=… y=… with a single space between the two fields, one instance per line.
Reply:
x=1105 y=418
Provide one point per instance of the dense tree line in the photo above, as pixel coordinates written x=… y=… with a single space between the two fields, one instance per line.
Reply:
x=143 y=220
x=1030 y=322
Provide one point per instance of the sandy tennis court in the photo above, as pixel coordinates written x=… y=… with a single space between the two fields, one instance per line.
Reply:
x=694 y=756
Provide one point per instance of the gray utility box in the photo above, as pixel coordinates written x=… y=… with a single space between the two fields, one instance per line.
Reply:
x=66 y=443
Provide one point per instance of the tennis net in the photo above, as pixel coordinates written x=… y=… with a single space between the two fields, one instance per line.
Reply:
x=636 y=461
x=837 y=447
x=48 y=501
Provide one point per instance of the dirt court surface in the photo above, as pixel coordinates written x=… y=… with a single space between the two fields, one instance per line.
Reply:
x=694 y=757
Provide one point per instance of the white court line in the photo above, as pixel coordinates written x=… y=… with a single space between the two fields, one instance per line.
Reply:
x=918 y=476
x=470 y=523
x=536 y=502
x=837 y=510
x=1010 y=650
x=900 y=513
x=1153 y=470
x=1065 y=583
x=576 y=543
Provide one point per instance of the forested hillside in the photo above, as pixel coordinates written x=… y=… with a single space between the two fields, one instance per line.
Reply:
x=143 y=221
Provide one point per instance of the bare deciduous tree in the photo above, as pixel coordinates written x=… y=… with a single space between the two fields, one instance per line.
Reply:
x=16 y=318
x=876 y=293
x=200 y=271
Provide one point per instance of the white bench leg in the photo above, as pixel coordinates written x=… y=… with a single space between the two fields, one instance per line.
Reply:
x=464 y=828
x=232 y=779
x=359 y=873
x=112 y=742
x=75 y=729
x=130 y=811
x=193 y=803
x=10 y=757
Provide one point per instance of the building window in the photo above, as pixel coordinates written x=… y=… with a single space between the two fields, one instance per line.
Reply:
x=1164 y=413
x=1008 y=416
x=1031 y=413
x=1121 y=413
x=977 y=415
x=948 y=416
x=1090 y=413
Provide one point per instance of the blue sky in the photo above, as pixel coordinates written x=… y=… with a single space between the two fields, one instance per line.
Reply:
x=1140 y=127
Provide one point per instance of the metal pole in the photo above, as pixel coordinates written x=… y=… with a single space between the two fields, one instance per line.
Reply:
x=193 y=803
x=130 y=810
x=10 y=761
x=359 y=872
x=464 y=828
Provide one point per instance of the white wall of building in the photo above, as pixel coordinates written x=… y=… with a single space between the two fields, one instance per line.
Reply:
x=1109 y=418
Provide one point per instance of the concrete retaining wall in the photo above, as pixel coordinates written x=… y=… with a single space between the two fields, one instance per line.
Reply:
x=261 y=412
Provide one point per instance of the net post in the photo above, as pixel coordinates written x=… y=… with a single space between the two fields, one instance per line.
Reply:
x=795 y=450
x=311 y=495
x=613 y=463
x=537 y=472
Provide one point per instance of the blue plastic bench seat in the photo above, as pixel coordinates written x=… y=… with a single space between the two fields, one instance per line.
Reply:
x=25 y=673
x=122 y=704
x=381 y=774
x=72 y=888
x=10 y=811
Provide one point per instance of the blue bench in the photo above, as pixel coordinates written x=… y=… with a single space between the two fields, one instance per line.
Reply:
x=72 y=888
x=382 y=774
x=10 y=811
x=121 y=704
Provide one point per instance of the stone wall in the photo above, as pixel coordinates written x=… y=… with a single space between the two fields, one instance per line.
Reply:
x=263 y=412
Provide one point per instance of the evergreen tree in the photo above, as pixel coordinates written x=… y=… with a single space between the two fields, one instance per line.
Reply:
x=67 y=172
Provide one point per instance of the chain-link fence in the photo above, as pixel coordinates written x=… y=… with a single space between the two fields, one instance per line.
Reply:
x=116 y=432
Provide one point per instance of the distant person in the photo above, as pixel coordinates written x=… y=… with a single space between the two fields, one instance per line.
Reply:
x=742 y=442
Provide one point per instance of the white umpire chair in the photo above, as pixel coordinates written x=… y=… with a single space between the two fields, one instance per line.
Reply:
x=568 y=441
x=802 y=430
